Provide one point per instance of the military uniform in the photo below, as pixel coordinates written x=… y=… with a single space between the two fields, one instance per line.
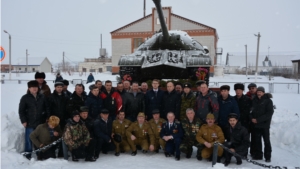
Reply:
x=190 y=130
x=174 y=130
x=210 y=135
x=156 y=128
x=142 y=133
x=120 y=128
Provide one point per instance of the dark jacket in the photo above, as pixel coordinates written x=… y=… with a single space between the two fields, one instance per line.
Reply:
x=75 y=102
x=111 y=101
x=95 y=105
x=58 y=107
x=67 y=94
x=90 y=78
x=134 y=104
x=153 y=101
x=238 y=138
x=171 y=103
x=33 y=110
x=207 y=104
x=175 y=131
x=262 y=111
x=58 y=79
x=123 y=96
x=244 y=104
x=102 y=130
x=89 y=124
x=225 y=108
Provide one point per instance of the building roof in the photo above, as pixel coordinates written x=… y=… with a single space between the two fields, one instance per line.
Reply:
x=296 y=58
x=32 y=61
x=143 y=18
x=239 y=59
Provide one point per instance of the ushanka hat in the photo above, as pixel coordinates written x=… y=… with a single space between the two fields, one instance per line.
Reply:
x=40 y=75
x=239 y=86
x=32 y=83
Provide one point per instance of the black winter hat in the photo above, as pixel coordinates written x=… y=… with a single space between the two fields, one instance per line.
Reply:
x=32 y=83
x=40 y=75
x=225 y=87
x=75 y=113
x=118 y=138
x=233 y=115
x=66 y=82
x=260 y=88
x=179 y=84
x=187 y=85
x=239 y=86
x=104 y=111
x=155 y=111
x=199 y=82
x=59 y=84
x=251 y=85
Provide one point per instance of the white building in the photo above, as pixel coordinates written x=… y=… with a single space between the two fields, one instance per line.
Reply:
x=34 y=64
x=95 y=65
x=236 y=62
x=127 y=38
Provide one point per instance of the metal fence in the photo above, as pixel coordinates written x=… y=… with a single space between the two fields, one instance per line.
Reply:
x=270 y=87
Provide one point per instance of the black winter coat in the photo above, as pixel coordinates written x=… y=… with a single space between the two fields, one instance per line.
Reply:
x=134 y=104
x=171 y=103
x=238 y=138
x=153 y=101
x=123 y=96
x=67 y=93
x=58 y=107
x=33 y=110
x=95 y=105
x=244 y=104
x=89 y=124
x=102 y=130
x=262 y=111
x=75 y=102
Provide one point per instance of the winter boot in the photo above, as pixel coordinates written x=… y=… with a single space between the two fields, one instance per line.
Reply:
x=74 y=158
x=133 y=153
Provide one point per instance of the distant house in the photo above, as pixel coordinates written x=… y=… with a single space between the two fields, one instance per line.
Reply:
x=34 y=64
x=5 y=68
x=95 y=65
x=236 y=62
x=296 y=64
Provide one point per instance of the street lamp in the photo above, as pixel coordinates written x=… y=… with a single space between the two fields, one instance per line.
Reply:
x=258 y=37
x=9 y=53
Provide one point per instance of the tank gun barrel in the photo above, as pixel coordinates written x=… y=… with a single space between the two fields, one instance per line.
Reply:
x=161 y=19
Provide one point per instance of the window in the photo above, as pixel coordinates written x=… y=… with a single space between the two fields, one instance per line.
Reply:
x=100 y=70
x=33 y=69
x=20 y=68
x=158 y=22
x=137 y=42
x=84 y=69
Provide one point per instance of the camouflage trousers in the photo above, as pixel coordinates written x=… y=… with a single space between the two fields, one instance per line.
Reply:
x=186 y=146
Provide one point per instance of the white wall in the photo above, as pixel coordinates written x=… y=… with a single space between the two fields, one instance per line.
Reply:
x=120 y=47
x=142 y=26
x=177 y=24
x=45 y=67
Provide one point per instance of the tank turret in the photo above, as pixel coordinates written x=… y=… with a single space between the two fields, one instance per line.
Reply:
x=168 y=54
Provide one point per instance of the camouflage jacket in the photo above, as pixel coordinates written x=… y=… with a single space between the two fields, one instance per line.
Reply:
x=156 y=127
x=191 y=128
x=187 y=101
x=76 y=134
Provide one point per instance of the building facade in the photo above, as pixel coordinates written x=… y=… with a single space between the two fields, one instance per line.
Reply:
x=34 y=64
x=127 y=38
x=5 y=68
x=95 y=65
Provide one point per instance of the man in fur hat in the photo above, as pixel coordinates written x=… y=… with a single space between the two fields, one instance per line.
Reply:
x=261 y=116
x=44 y=88
x=244 y=104
x=33 y=111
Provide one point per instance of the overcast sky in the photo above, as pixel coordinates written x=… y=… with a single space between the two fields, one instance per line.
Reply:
x=49 y=27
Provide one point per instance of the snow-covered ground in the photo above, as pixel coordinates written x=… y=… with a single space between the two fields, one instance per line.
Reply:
x=285 y=128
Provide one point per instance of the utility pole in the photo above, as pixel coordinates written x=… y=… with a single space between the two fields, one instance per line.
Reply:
x=246 y=62
x=144 y=8
x=64 y=61
x=27 y=61
x=257 y=53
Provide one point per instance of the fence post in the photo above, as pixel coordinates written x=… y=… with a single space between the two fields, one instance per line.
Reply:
x=2 y=81
x=19 y=81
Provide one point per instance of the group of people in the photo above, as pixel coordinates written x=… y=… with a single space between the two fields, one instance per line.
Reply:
x=130 y=117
